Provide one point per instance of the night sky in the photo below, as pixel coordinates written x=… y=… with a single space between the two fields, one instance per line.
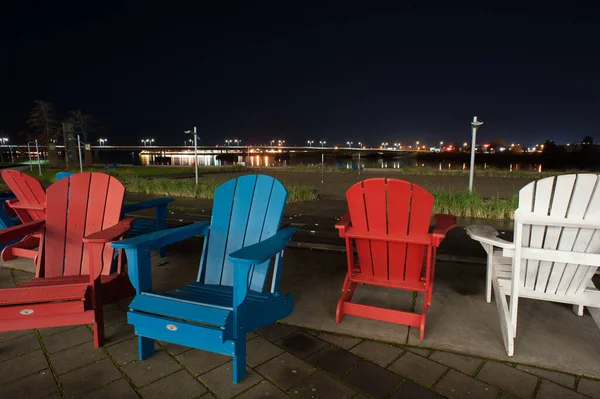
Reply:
x=293 y=71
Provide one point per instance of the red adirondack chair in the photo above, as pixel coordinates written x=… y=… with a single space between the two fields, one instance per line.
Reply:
x=75 y=275
x=388 y=222
x=29 y=206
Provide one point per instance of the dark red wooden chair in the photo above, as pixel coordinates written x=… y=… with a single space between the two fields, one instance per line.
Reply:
x=388 y=223
x=75 y=271
x=29 y=205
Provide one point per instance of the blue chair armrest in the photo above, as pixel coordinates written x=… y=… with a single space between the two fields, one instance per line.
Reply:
x=163 y=238
x=264 y=250
x=146 y=204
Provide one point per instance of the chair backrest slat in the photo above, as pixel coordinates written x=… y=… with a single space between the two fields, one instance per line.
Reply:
x=390 y=207
x=29 y=191
x=575 y=197
x=77 y=206
x=246 y=210
x=560 y=205
x=399 y=195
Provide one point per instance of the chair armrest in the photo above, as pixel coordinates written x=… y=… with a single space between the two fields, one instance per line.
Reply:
x=154 y=203
x=443 y=224
x=264 y=250
x=19 y=205
x=344 y=223
x=21 y=230
x=488 y=235
x=163 y=237
x=110 y=234
x=531 y=218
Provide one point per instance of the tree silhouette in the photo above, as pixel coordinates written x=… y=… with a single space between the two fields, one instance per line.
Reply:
x=83 y=123
x=43 y=119
x=588 y=140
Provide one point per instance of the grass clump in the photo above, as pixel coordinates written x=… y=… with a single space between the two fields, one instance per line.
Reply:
x=488 y=172
x=204 y=190
x=471 y=204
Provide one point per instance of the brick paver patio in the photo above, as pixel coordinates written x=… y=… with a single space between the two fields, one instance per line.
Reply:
x=283 y=361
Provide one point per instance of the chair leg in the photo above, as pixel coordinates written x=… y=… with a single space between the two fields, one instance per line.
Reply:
x=488 y=276
x=98 y=326
x=239 y=360
x=578 y=309
x=423 y=318
x=145 y=347
x=347 y=293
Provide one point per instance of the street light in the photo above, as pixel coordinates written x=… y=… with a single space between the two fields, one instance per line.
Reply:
x=349 y=144
x=272 y=143
x=310 y=143
x=195 y=135
x=441 y=145
x=417 y=146
x=474 y=126
x=322 y=143
x=102 y=141
x=384 y=145
x=237 y=142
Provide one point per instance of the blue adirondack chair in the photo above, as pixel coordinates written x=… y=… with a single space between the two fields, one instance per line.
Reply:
x=142 y=226
x=228 y=299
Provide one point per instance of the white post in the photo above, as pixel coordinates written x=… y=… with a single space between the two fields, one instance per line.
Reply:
x=29 y=155
x=38 y=156
x=196 y=154
x=322 y=166
x=474 y=125
x=79 y=150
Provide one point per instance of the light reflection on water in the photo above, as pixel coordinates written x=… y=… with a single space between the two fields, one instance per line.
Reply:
x=315 y=161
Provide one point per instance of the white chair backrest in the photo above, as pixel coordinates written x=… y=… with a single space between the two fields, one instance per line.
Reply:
x=573 y=197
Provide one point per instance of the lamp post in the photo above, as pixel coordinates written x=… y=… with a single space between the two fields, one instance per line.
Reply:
x=272 y=143
x=102 y=142
x=474 y=126
x=441 y=145
x=37 y=150
x=349 y=144
x=322 y=143
x=310 y=143
x=195 y=135
x=417 y=146
x=384 y=145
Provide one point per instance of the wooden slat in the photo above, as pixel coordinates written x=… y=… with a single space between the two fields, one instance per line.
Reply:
x=399 y=194
x=358 y=215
x=56 y=228
x=543 y=196
x=377 y=206
x=37 y=294
x=179 y=308
x=240 y=214
x=98 y=191
x=560 y=204
x=112 y=215
x=270 y=227
x=584 y=274
x=219 y=229
x=579 y=200
x=420 y=216
x=77 y=211
x=526 y=199
x=256 y=223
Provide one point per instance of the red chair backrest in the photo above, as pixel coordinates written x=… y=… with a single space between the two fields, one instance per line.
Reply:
x=29 y=191
x=77 y=206
x=390 y=207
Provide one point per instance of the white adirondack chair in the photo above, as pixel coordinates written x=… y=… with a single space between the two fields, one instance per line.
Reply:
x=555 y=253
